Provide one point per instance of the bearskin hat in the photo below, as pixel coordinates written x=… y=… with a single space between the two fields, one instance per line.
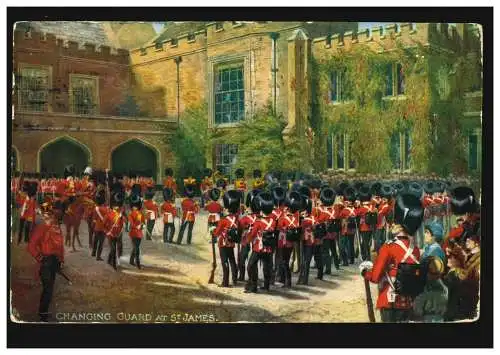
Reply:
x=253 y=200
x=342 y=187
x=429 y=187
x=315 y=184
x=266 y=202
x=408 y=212
x=169 y=172
x=257 y=173
x=386 y=191
x=364 y=193
x=189 y=191
x=150 y=193
x=207 y=172
x=251 y=195
x=100 y=198
x=294 y=201
x=221 y=183
x=239 y=173
x=358 y=185
x=135 y=201
x=305 y=191
x=214 y=194
x=231 y=200
x=279 y=195
x=136 y=189
x=69 y=170
x=375 y=188
x=398 y=187
x=117 y=195
x=168 y=194
x=327 y=196
x=32 y=188
x=462 y=200
x=440 y=186
x=350 y=194
x=414 y=188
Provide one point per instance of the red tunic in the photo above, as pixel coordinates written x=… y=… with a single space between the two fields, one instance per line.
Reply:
x=287 y=221
x=222 y=230
x=347 y=212
x=307 y=234
x=136 y=220
x=150 y=209
x=99 y=217
x=170 y=183
x=114 y=222
x=46 y=239
x=169 y=212
x=277 y=212
x=389 y=257
x=327 y=214
x=263 y=224
x=362 y=211
x=245 y=224
x=28 y=208
x=189 y=209
x=383 y=211
x=214 y=210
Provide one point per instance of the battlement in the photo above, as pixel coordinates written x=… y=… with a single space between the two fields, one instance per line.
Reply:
x=31 y=39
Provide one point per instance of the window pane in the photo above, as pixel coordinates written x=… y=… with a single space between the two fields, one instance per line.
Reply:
x=231 y=92
x=33 y=88
x=401 y=83
x=340 y=151
x=333 y=88
x=388 y=84
x=84 y=95
x=473 y=147
x=395 y=151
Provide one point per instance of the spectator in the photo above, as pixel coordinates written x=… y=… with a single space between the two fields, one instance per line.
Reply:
x=431 y=305
x=433 y=236
x=454 y=280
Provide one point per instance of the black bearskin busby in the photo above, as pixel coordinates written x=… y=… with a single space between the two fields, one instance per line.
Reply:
x=342 y=187
x=189 y=191
x=136 y=201
x=266 y=203
x=231 y=200
x=414 y=188
x=350 y=194
x=100 y=198
x=358 y=185
x=386 y=191
x=168 y=194
x=214 y=194
x=149 y=194
x=294 y=201
x=408 y=212
x=253 y=200
x=69 y=170
x=305 y=191
x=364 y=193
x=398 y=187
x=327 y=196
x=375 y=188
x=279 y=195
x=117 y=195
x=169 y=172
x=440 y=186
x=462 y=200
x=429 y=187
x=32 y=188
x=136 y=190
x=257 y=173
x=239 y=173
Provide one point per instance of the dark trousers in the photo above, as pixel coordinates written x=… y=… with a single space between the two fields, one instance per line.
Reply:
x=26 y=225
x=253 y=270
x=329 y=254
x=98 y=244
x=366 y=242
x=297 y=257
x=277 y=269
x=119 y=245
x=149 y=229
x=308 y=252
x=136 y=252
x=245 y=250
x=347 y=249
x=48 y=270
x=379 y=238
x=394 y=315
x=168 y=232
x=226 y=259
x=286 y=254
x=112 y=253
x=190 y=226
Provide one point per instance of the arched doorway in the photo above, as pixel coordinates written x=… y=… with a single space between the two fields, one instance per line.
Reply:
x=135 y=156
x=54 y=156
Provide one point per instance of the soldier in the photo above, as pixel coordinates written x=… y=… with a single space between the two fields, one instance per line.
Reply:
x=279 y=196
x=136 y=221
x=329 y=214
x=28 y=206
x=262 y=239
x=98 y=218
x=228 y=234
x=240 y=184
x=169 y=213
x=384 y=210
x=189 y=210
x=258 y=183
x=312 y=244
x=368 y=220
x=245 y=224
x=47 y=247
x=114 y=222
x=408 y=216
x=169 y=181
x=150 y=212
x=348 y=216
x=205 y=186
x=289 y=233
x=214 y=210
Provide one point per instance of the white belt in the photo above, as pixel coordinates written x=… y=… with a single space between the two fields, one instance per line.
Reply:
x=216 y=215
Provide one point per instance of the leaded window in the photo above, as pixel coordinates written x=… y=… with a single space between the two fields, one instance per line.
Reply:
x=400 y=150
x=225 y=157
x=34 y=85
x=229 y=94
x=339 y=86
x=339 y=151
x=395 y=81
x=84 y=95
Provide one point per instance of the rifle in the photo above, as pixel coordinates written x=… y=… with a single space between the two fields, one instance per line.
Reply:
x=357 y=239
x=369 y=301
x=214 y=262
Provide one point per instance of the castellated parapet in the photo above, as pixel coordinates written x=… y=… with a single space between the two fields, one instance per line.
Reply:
x=48 y=42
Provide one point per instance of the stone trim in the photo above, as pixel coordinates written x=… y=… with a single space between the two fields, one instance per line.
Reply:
x=98 y=130
x=96 y=117
x=56 y=139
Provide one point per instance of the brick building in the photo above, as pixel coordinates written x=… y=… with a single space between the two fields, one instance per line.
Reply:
x=108 y=106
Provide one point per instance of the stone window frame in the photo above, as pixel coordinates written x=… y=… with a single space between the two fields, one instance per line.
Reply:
x=476 y=132
x=395 y=82
x=216 y=156
x=405 y=165
x=96 y=96
x=340 y=77
x=213 y=64
x=20 y=68
x=333 y=137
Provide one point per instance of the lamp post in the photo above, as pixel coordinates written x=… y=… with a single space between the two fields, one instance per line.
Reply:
x=178 y=61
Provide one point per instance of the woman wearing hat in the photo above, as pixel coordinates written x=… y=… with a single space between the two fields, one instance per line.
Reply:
x=459 y=302
x=433 y=235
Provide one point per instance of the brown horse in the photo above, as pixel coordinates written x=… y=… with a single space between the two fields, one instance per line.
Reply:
x=73 y=215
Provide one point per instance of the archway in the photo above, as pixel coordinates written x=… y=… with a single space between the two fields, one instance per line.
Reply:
x=135 y=156
x=57 y=154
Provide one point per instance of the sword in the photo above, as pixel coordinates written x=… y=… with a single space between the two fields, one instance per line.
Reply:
x=60 y=272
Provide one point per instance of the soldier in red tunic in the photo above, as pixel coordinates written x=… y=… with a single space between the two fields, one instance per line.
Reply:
x=348 y=216
x=114 y=222
x=98 y=217
x=384 y=209
x=169 y=213
x=365 y=213
x=262 y=239
x=279 y=196
x=240 y=184
x=27 y=209
x=214 y=210
x=150 y=212
x=289 y=233
x=312 y=244
x=329 y=214
x=169 y=181
x=246 y=223
x=408 y=216
x=47 y=247
x=189 y=210
x=136 y=221
x=228 y=234
x=205 y=186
